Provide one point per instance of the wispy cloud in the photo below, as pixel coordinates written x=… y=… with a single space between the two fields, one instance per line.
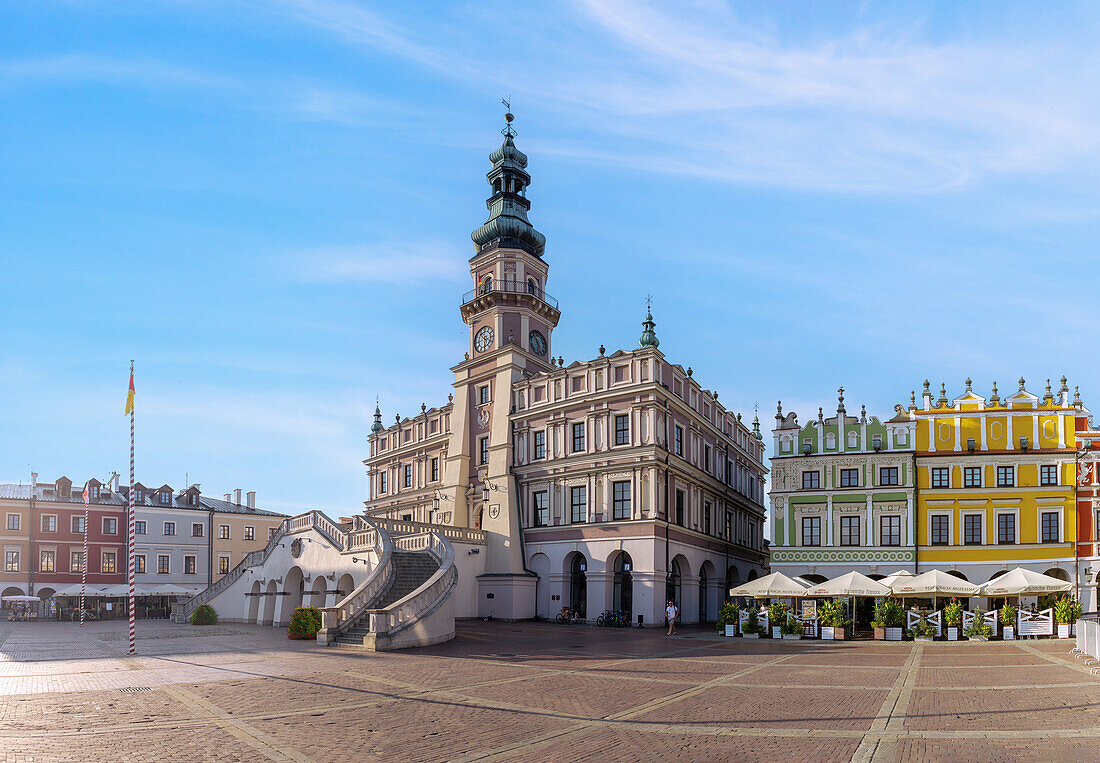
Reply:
x=398 y=262
x=695 y=90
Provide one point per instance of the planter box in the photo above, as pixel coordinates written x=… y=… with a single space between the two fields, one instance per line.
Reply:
x=750 y=635
x=791 y=636
x=777 y=632
x=975 y=638
x=840 y=634
x=952 y=633
x=1063 y=630
x=731 y=630
x=923 y=638
x=827 y=633
x=880 y=634
x=893 y=634
x=1009 y=633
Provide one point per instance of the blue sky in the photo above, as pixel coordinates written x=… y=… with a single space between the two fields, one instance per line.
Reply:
x=268 y=205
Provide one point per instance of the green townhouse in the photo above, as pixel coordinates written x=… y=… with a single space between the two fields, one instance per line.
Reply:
x=842 y=494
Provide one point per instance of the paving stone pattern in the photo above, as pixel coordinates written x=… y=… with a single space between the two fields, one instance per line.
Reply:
x=538 y=692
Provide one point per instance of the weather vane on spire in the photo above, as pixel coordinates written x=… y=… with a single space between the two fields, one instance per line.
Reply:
x=508 y=132
x=648 y=302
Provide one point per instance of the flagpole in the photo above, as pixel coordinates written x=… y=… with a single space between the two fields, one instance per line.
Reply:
x=84 y=566
x=131 y=518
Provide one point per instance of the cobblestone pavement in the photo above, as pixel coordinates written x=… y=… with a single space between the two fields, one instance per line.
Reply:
x=527 y=691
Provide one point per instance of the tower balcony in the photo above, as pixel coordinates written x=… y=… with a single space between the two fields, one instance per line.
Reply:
x=510 y=293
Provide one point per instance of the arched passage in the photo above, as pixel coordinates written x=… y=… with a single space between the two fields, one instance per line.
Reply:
x=957 y=574
x=345 y=586
x=293 y=589
x=317 y=599
x=46 y=593
x=811 y=577
x=707 y=608
x=578 y=583
x=254 y=603
x=733 y=579
x=622 y=583
x=270 y=597
x=1055 y=572
x=674 y=585
x=753 y=575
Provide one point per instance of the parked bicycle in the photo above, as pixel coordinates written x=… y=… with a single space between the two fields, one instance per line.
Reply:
x=568 y=615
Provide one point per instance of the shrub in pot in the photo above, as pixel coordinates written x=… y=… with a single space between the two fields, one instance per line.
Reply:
x=304 y=623
x=952 y=616
x=1066 y=612
x=1008 y=621
x=889 y=617
x=204 y=614
x=728 y=615
x=777 y=615
x=979 y=629
x=752 y=628
x=922 y=630
x=791 y=628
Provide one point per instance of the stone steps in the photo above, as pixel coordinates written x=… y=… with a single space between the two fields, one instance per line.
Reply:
x=411 y=570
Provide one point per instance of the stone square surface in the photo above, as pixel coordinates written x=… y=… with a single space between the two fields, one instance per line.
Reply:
x=534 y=691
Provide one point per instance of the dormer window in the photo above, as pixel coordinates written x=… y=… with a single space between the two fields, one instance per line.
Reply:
x=165 y=497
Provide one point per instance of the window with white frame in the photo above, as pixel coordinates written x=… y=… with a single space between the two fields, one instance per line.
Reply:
x=223 y=532
x=972 y=529
x=223 y=565
x=888 y=475
x=197 y=529
x=849 y=477
x=1006 y=476
x=47 y=561
x=249 y=532
x=108 y=562
x=483 y=453
x=941 y=477
x=811 y=480
x=679 y=440
x=13 y=521
x=972 y=476
x=1048 y=474
x=435 y=469
x=169 y=528
x=164 y=564
x=620 y=500
x=890 y=530
x=49 y=523
x=578 y=437
x=11 y=561
x=940 y=529
x=408 y=475
x=76 y=561
x=540 y=444
x=1049 y=524
x=811 y=531
x=622 y=429
x=1006 y=529
x=849 y=531
x=77 y=523
x=578 y=503
x=483 y=394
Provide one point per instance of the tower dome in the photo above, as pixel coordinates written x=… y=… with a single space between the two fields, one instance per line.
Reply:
x=508 y=224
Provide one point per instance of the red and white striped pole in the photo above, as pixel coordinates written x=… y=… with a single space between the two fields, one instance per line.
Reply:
x=131 y=522
x=84 y=566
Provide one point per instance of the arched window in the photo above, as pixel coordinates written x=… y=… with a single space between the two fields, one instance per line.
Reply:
x=623 y=597
x=486 y=285
x=673 y=585
x=578 y=586
x=531 y=287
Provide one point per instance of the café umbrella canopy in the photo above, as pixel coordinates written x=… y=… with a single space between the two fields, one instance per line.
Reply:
x=934 y=583
x=849 y=584
x=1021 y=582
x=899 y=576
x=773 y=586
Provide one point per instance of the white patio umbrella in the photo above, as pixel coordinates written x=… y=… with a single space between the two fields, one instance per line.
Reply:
x=934 y=583
x=850 y=584
x=773 y=586
x=1021 y=582
x=20 y=597
x=896 y=577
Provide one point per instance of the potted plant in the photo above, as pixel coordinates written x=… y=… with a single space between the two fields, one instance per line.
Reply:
x=952 y=615
x=979 y=629
x=791 y=629
x=777 y=615
x=889 y=617
x=751 y=628
x=1066 y=612
x=922 y=630
x=727 y=619
x=1008 y=621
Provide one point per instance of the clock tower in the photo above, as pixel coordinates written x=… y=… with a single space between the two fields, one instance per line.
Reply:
x=510 y=318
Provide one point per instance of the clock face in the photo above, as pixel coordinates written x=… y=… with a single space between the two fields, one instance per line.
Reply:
x=483 y=340
x=538 y=343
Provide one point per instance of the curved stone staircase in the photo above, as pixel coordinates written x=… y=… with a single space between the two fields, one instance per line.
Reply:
x=411 y=570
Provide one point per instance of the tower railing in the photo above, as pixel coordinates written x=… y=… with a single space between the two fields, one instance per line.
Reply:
x=510 y=287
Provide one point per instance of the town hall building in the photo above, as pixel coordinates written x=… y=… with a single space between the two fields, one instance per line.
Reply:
x=613 y=483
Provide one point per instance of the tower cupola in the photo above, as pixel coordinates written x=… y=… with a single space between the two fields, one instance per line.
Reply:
x=649 y=337
x=508 y=224
x=377 y=427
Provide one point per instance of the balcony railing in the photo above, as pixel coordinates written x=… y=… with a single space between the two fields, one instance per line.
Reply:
x=510 y=287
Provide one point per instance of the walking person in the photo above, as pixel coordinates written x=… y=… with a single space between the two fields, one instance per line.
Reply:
x=671 y=612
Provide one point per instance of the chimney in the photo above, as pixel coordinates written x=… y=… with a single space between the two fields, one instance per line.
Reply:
x=250 y=499
x=228 y=496
x=114 y=482
x=237 y=496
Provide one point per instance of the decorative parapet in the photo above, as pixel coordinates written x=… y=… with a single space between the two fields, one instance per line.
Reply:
x=398 y=527
x=859 y=555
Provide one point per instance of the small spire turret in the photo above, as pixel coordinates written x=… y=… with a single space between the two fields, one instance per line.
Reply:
x=649 y=336
x=377 y=427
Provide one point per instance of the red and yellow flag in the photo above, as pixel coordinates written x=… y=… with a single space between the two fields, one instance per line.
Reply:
x=130 y=396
